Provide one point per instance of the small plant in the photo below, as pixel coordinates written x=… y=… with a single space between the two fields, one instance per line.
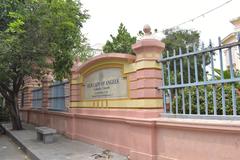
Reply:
x=210 y=100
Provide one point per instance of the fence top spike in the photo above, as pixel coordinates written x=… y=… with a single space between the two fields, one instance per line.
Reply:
x=174 y=52
x=219 y=41
x=194 y=46
x=202 y=45
x=187 y=49
x=180 y=50
x=210 y=43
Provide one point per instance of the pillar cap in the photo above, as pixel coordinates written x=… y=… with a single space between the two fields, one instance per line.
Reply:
x=76 y=64
x=148 y=44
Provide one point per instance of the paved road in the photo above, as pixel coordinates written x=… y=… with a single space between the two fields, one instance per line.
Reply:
x=9 y=150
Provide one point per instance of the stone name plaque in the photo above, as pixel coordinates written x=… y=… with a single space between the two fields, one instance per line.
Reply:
x=105 y=84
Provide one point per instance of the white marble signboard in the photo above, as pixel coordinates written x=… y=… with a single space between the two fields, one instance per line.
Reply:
x=105 y=84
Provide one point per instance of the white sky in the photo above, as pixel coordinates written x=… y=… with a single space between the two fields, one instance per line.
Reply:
x=106 y=15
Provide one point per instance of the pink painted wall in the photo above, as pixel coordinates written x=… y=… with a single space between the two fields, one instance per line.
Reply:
x=147 y=138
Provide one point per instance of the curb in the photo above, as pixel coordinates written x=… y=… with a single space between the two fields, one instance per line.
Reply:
x=26 y=150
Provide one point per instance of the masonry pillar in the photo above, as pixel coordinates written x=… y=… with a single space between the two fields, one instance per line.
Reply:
x=46 y=81
x=143 y=84
x=75 y=89
x=27 y=92
x=148 y=74
x=25 y=97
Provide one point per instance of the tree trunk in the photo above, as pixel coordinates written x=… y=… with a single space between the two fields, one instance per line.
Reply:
x=14 y=115
x=16 y=122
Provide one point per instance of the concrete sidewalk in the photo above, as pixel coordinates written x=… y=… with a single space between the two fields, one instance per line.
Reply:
x=9 y=150
x=62 y=149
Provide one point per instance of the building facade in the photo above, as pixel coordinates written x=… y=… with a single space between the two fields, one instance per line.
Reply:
x=231 y=38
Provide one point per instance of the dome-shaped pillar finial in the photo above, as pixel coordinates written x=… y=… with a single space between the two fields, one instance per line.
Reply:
x=147 y=29
x=148 y=48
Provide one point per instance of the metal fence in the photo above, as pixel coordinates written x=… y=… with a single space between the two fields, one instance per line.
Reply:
x=58 y=96
x=37 y=98
x=194 y=87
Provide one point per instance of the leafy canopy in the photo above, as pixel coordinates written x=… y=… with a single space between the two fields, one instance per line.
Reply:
x=35 y=36
x=184 y=40
x=180 y=38
x=40 y=34
x=122 y=43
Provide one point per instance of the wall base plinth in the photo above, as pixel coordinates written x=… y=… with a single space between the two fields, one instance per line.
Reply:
x=142 y=138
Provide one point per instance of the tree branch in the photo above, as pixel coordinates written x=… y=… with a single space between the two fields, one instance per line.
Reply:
x=19 y=83
x=5 y=95
x=4 y=87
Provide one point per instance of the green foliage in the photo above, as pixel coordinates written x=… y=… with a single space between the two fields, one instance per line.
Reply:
x=228 y=100
x=5 y=7
x=209 y=89
x=37 y=31
x=85 y=53
x=180 y=38
x=176 y=39
x=35 y=36
x=58 y=22
x=226 y=73
x=122 y=43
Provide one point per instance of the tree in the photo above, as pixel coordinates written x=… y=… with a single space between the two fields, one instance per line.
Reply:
x=122 y=43
x=176 y=39
x=85 y=53
x=36 y=36
x=180 y=38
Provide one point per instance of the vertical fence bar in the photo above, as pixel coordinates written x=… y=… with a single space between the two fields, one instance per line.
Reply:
x=163 y=83
x=204 y=80
x=238 y=39
x=182 y=82
x=169 y=83
x=189 y=81
x=233 y=85
x=37 y=98
x=196 y=79
x=175 y=80
x=213 y=79
x=222 y=77
x=171 y=86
